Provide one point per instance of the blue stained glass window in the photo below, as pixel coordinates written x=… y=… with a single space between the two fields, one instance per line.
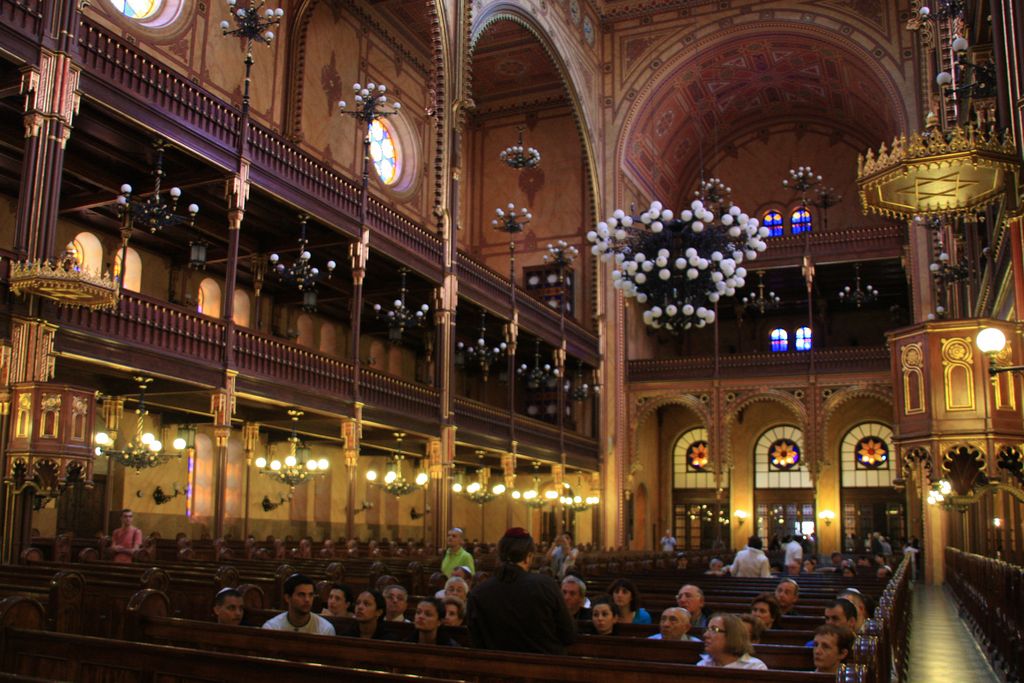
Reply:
x=773 y=221
x=803 y=339
x=800 y=221
x=780 y=340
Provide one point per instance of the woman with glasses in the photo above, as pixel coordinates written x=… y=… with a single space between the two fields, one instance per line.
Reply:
x=727 y=644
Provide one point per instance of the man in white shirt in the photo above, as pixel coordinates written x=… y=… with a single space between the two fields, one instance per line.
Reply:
x=668 y=542
x=298 y=596
x=675 y=625
x=751 y=562
x=794 y=552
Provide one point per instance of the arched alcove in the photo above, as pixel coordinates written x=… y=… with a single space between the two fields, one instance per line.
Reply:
x=208 y=302
x=132 y=271
x=304 y=326
x=89 y=252
x=242 y=312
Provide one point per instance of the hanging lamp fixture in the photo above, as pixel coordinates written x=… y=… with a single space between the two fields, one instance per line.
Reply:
x=301 y=272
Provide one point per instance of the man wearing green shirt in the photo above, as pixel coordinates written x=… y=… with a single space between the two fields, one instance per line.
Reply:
x=456 y=555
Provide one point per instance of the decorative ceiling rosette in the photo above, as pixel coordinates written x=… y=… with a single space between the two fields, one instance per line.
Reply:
x=678 y=267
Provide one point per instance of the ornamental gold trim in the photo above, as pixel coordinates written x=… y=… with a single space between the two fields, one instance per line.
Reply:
x=65 y=282
x=935 y=173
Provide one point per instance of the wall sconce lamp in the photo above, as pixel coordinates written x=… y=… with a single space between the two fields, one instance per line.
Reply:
x=827 y=516
x=997 y=522
x=269 y=505
x=366 y=505
x=419 y=515
x=992 y=341
x=741 y=516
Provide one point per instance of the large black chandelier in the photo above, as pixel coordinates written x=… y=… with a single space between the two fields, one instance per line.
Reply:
x=370 y=103
x=678 y=268
x=761 y=302
x=858 y=295
x=299 y=465
x=520 y=156
x=253 y=23
x=143 y=450
x=540 y=375
x=481 y=354
x=578 y=389
x=399 y=316
x=155 y=211
x=302 y=273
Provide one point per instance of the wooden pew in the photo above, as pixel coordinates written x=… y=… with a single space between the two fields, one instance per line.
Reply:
x=61 y=593
x=58 y=656
x=438 y=661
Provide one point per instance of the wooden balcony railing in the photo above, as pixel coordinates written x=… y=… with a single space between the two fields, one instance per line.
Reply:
x=394 y=394
x=852 y=359
x=124 y=68
x=22 y=16
x=292 y=364
x=152 y=325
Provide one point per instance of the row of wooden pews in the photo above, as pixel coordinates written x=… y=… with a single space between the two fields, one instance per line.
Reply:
x=186 y=589
x=991 y=595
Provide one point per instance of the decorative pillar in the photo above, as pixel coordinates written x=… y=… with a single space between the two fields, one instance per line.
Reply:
x=351 y=428
x=222 y=407
x=51 y=101
x=250 y=442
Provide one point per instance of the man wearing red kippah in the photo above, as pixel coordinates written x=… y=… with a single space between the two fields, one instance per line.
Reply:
x=518 y=610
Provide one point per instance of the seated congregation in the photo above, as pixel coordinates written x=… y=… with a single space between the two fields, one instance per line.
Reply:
x=380 y=617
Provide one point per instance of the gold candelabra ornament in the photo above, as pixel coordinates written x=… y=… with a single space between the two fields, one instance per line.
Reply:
x=299 y=465
x=65 y=281
x=143 y=450
x=395 y=482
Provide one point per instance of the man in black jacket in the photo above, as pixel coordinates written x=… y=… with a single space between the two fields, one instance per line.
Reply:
x=517 y=610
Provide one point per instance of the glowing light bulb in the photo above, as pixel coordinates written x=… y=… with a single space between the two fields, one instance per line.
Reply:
x=323 y=464
x=179 y=444
x=261 y=462
x=276 y=465
x=371 y=475
x=147 y=439
x=290 y=461
x=457 y=487
x=390 y=477
x=498 y=489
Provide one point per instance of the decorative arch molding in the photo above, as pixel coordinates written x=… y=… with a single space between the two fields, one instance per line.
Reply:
x=507 y=12
x=798 y=410
x=646 y=406
x=750 y=27
x=831 y=405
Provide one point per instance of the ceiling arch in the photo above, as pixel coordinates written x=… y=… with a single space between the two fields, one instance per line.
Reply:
x=710 y=99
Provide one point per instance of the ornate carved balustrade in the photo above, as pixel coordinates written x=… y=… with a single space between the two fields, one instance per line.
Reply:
x=292 y=365
x=858 y=359
x=386 y=392
x=869 y=243
x=147 y=325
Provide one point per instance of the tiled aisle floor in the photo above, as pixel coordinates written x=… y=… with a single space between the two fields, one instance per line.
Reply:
x=941 y=646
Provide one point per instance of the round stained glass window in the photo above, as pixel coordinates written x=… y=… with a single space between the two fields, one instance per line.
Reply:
x=137 y=9
x=383 y=151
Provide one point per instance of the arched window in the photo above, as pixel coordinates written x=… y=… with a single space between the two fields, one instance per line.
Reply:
x=137 y=9
x=778 y=459
x=800 y=221
x=242 y=313
x=304 y=326
x=780 y=340
x=133 y=270
x=89 y=252
x=803 y=339
x=383 y=151
x=773 y=221
x=209 y=298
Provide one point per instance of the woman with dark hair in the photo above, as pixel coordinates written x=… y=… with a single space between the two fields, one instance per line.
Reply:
x=727 y=644
x=339 y=601
x=370 y=609
x=604 y=614
x=627 y=598
x=428 y=622
x=766 y=608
